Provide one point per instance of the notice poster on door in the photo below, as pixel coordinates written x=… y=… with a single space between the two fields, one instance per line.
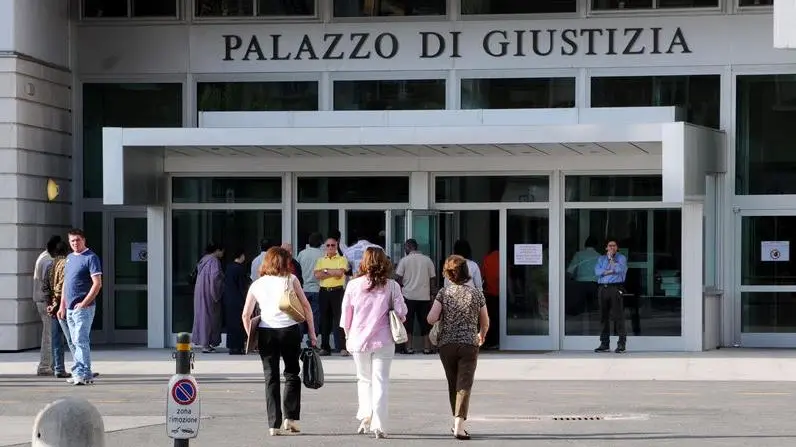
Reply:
x=138 y=252
x=775 y=251
x=528 y=254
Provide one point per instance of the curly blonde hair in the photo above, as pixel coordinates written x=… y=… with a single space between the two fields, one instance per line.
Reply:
x=377 y=266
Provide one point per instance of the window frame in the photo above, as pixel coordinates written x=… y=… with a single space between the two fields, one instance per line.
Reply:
x=316 y=17
x=178 y=16
x=449 y=6
x=520 y=16
x=752 y=9
x=655 y=10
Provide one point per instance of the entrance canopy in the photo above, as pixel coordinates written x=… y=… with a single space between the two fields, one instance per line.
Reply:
x=135 y=161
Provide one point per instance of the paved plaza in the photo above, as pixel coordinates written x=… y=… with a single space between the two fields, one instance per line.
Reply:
x=720 y=398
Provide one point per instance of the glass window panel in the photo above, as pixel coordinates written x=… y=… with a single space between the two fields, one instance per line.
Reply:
x=192 y=230
x=768 y=312
x=756 y=2
x=613 y=188
x=130 y=309
x=257 y=96
x=286 y=7
x=104 y=8
x=755 y=230
x=226 y=189
x=95 y=236
x=224 y=8
x=129 y=270
x=422 y=94
x=325 y=222
x=518 y=93
x=651 y=241
x=698 y=95
x=381 y=189
x=688 y=3
x=367 y=223
x=154 y=8
x=491 y=189
x=621 y=4
x=376 y=8
x=528 y=303
x=766 y=111
x=122 y=105
x=518 y=7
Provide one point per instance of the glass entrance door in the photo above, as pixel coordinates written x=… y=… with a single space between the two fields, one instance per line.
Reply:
x=125 y=277
x=766 y=279
x=529 y=308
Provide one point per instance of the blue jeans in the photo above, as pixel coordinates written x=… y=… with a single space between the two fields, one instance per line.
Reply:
x=315 y=305
x=60 y=335
x=79 y=321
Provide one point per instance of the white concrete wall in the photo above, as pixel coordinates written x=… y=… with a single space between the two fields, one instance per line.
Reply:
x=35 y=144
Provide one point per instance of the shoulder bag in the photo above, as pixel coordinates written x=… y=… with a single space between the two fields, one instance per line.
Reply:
x=396 y=326
x=290 y=302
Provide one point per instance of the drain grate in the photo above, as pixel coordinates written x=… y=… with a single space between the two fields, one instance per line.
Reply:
x=563 y=417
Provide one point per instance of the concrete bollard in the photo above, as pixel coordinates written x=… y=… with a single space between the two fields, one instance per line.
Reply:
x=69 y=422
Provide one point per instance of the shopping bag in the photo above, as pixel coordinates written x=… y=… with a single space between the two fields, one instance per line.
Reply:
x=312 y=368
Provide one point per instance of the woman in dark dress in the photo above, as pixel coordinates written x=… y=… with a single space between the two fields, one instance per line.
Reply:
x=236 y=285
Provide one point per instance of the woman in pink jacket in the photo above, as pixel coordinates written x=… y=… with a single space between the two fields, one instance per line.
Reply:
x=365 y=319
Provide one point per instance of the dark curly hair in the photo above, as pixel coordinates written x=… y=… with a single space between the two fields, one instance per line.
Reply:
x=377 y=266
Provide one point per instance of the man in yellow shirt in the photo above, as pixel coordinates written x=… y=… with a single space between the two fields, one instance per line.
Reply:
x=330 y=271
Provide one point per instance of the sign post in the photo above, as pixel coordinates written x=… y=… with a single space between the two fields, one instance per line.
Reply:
x=183 y=406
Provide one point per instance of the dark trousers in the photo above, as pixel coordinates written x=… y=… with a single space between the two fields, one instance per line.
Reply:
x=274 y=344
x=612 y=309
x=459 y=362
x=493 y=309
x=236 y=335
x=331 y=301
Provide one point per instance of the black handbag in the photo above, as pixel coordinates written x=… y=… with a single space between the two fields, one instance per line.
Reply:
x=312 y=368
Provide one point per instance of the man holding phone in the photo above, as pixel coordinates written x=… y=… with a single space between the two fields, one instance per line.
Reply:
x=611 y=270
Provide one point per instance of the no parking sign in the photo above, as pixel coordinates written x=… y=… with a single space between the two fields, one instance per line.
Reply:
x=183 y=407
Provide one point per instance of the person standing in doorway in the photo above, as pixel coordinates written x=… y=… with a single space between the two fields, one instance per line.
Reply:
x=416 y=275
x=355 y=252
x=295 y=267
x=330 y=271
x=82 y=285
x=490 y=267
x=40 y=300
x=236 y=285
x=611 y=270
x=307 y=258
x=207 y=300
x=265 y=244
x=462 y=248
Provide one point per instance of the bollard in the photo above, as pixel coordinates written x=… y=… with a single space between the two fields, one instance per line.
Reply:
x=69 y=422
x=183 y=405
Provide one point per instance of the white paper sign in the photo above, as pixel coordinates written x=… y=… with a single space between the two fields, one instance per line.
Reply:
x=775 y=251
x=138 y=252
x=528 y=254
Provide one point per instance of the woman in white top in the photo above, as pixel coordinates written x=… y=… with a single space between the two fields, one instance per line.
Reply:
x=279 y=336
x=462 y=248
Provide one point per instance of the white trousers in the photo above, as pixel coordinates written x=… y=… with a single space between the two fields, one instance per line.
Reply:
x=373 y=382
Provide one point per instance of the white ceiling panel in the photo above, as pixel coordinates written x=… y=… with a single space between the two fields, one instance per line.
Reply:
x=652 y=148
x=622 y=148
x=588 y=148
x=554 y=149
x=520 y=149
x=453 y=150
x=390 y=151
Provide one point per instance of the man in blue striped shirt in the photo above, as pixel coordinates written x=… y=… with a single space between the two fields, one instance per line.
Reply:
x=610 y=271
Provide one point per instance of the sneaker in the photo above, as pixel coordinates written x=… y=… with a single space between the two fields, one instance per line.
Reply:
x=44 y=373
x=603 y=348
x=620 y=349
x=62 y=375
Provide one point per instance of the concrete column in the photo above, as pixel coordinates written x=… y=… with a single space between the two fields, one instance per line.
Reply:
x=156 y=276
x=419 y=183
x=35 y=144
x=691 y=275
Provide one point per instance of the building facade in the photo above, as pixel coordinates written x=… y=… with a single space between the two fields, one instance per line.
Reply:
x=530 y=128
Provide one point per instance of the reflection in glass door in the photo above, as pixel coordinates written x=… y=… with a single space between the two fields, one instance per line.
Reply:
x=527 y=279
x=126 y=276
